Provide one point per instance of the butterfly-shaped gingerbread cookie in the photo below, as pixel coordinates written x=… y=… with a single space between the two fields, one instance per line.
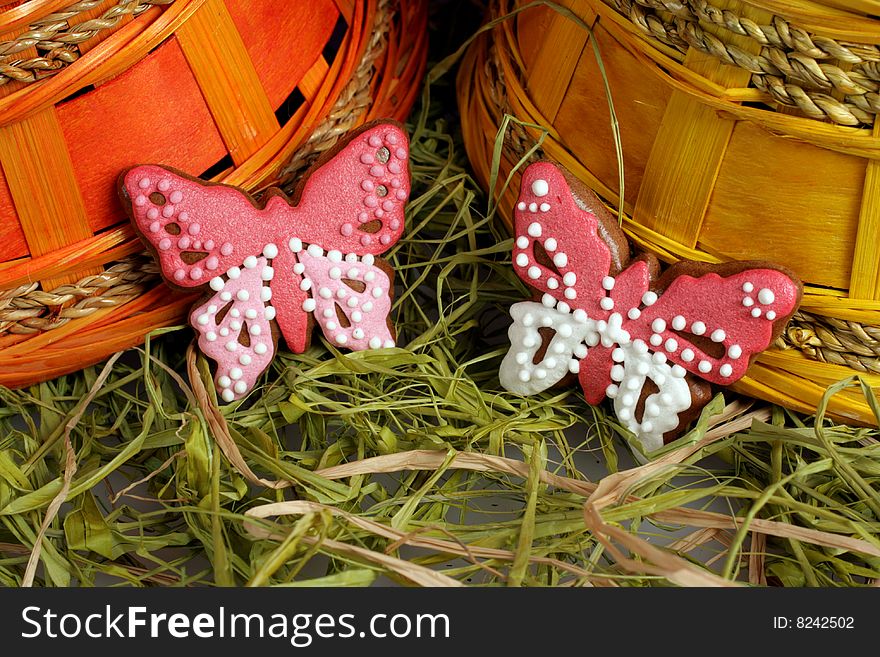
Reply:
x=286 y=264
x=651 y=342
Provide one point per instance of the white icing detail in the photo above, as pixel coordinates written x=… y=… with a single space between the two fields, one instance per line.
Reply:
x=659 y=357
x=607 y=303
x=353 y=273
x=250 y=313
x=748 y=287
x=671 y=345
x=299 y=268
x=266 y=293
x=315 y=251
x=640 y=346
x=678 y=371
x=260 y=348
x=250 y=262
x=534 y=229
x=548 y=301
x=544 y=207
x=770 y=314
x=698 y=328
x=334 y=256
x=521 y=206
x=211 y=336
x=352 y=302
x=245 y=359
x=228 y=395
x=330 y=326
x=309 y=305
x=649 y=298
x=375 y=343
x=226 y=296
x=569 y=279
x=217 y=284
x=618 y=355
x=295 y=244
x=243 y=295
x=224 y=381
x=718 y=335
x=358 y=334
x=687 y=355
x=563 y=307
x=534 y=272
x=679 y=322
x=570 y=293
x=748 y=301
x=634 y=313
x=234 y=325
x=550 y=244
x=518 y=372
x=705 y=366
x=254 y=329
x=560 y=259
x=725 y=370
x=378 y=292
x=608 y=282
x=370 y=276
x=552 y=283
x=522 y=242
x=766 y=296
x=325 y=293
x=305 y=284
x=233 y=273
x=540 y=187
x=270 y=251
x=203 y=319
x=231 y=345
x=335 y=273
x=269 y=313
x=329 y=312
x=388 y=344
x=533 y=207
x=357 y=316
x=232 y=313
x=611 y=391
x=367 y=307
x=656 y=340
x=224 y=332
x=756 y=312
x=617 y=373
x=658 y=325
x=341 y=338
x=240 y=387
x=268 y=273
x=351 y=257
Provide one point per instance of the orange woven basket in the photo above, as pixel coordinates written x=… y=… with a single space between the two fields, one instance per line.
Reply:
x=245 y=92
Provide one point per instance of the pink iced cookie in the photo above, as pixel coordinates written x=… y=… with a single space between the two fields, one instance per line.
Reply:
x=347 y=208
x=650 y=344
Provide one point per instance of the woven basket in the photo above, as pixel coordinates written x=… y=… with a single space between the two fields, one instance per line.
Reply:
x=246 y=92
x=748 y=132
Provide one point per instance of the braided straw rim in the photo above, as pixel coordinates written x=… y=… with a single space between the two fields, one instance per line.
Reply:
x=27 y=310
x=823 y=78
x=56 y=41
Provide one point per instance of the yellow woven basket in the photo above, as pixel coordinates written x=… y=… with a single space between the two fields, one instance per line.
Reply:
x=748 y=132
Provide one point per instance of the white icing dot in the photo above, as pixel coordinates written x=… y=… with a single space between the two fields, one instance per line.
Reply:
x=718 y=335
x=235 y=325
x=370 y=276
x=295 y=244
x=226 y=296
x=358 y=333
x=521 y=206
x=534 y=272
x=766 y=296
x=687 y=355
x=580 y=316
x=341 y=338
x=330 y=326
x=367 y=307
x=305 y=284
x=357 y=316
x=565 y=330
x=250 y=262
x=254 y=329
x=647 y=426
x=570 y=293
x=771 y=315
x=266 y=293
x=705 y=366
x=581 y=351
x=260 y=348
x=560 y=259
x=658 y=325
x=309 y=305
x=270 y=251
x=334 y=255
x=268 y=273
x=203 y=319
x=550 y=244
x=224 y=331
x=679 y=372
x=299 y=268
x=652 y=409
x=671 y=345
x=649 y=298
x=756 y=312
x=617 y=373
x=235 y=373
x=328 y=312
x=640 y=346
x=242 y=295
x=377 y=292
x=233 y=313
x=678 y=323
x=335 y=273
x=748 y=287
x=315 y=251
x=224 y=381
x=656 y=339
x=563 y=307
x=552 y=283
x=540 y=187
x=233 y=273
x=611 y=391
x=522 y=242
x=211 y=336
x=617 y=355
x=241 y=387
x=534 y=229
x=548 y=300
x=569 y=279
x=748 y=302
x=231 y=345
x=659 y=358
x=607 y=303
x=625 y=414
x=522 y=260
x=388 y=344
x=725 y=370
x=269 y=313
x=217 y=284
x=245 y=359
x=325 y=293
x=634 y=313
x=521 y=357
x=375 y=343
x=352 y=302
x=353 y=273
x=544 y=207
x=533 y=207
x=608 y=282
x=698 y=328
x=524 y=375
x=250 y=313
x=227 y=395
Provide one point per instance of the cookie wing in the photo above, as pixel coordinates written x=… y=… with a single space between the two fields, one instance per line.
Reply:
x=354 y=202
x=558 y=248
x=712 y=325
